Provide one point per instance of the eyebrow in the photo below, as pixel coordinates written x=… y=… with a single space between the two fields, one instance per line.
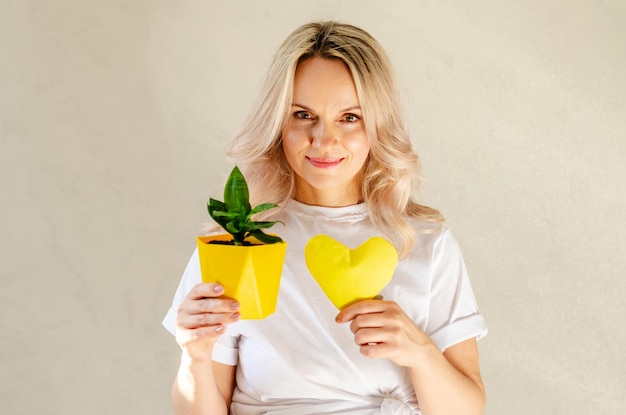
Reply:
x=304 y=107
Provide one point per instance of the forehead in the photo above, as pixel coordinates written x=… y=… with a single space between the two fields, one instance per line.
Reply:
x=324 y=81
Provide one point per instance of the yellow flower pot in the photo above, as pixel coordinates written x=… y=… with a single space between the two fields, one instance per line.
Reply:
x=249 y=274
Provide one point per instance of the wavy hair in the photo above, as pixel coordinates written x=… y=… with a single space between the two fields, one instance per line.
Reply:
x=391 y=172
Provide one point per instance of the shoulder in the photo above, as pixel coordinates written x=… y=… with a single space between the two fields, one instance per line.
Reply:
x=433 y=239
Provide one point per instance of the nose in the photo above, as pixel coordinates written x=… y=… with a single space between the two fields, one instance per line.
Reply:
x=324 y=135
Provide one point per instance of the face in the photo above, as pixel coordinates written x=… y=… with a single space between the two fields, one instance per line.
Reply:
x=325 y=142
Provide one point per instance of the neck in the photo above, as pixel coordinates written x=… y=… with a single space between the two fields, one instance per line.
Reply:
x=328 y=198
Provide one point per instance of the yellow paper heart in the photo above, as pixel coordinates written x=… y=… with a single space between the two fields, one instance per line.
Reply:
x=349 y=275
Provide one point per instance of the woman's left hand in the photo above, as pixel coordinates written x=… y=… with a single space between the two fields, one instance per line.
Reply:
x=382 y=330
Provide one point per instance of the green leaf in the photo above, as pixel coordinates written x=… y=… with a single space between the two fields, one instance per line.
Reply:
x=216 y=205
x=265 y=238
x=229 y=215
x=234 y=227
x=236 y=193
x=260 y=225
x=236 y=232
x=235 y=214
x=223 y=222
x=263 y=207
x=219 y=219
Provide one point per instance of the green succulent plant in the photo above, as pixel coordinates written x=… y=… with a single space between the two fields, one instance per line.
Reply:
x=234 y=214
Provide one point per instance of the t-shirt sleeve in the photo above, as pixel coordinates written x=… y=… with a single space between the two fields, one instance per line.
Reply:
x=453 y=315
x=226 y=349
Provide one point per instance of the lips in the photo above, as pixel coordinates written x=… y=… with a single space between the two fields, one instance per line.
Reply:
x=324 y=162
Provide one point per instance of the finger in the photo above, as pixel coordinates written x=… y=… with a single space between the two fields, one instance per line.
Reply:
x=369 y=337
x=205 y=290
x=361 y=307
x=375 y=350
x=184 y=337
x=367 y=321
x=204 y=332
x=194 y=321
x=209 y=305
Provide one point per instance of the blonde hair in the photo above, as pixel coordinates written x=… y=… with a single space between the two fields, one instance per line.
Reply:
x=392 y=168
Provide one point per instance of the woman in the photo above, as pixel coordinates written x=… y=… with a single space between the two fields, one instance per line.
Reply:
x=327 y=143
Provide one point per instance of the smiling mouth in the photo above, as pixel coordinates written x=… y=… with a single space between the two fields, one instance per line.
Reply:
x=325 y=163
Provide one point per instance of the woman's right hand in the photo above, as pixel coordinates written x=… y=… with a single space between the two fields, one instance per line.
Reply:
x=201 y=319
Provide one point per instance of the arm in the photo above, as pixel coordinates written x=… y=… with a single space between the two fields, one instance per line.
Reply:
x=450 y=383
x=202 y=388
x=445 y=383
x=201 y=385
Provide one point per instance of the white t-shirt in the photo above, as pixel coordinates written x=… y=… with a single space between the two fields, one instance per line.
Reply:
x=300 y=361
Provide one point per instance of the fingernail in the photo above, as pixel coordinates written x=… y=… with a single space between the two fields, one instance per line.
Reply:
x=234 y=305
x=218 y=288
x=235 y=316
x=219 y=329
x=338 y=318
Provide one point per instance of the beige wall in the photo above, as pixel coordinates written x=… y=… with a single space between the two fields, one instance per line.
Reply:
x=113 y=119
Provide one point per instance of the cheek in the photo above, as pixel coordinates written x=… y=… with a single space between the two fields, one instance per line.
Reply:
x=294 y=139
x=360 y=149
x=290 y=147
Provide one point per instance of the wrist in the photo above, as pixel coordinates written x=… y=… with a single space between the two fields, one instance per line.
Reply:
x=425 y=356
x=192 y=360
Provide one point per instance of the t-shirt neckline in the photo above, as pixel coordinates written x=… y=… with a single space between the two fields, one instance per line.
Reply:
x=358 y=210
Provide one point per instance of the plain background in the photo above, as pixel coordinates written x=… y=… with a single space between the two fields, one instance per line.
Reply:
x=114 y=116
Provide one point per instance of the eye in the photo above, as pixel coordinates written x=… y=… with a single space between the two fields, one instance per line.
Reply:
x=303 y=115
x=351 y=118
